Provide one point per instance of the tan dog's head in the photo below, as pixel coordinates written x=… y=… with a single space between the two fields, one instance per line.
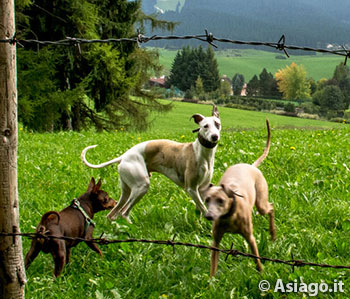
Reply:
x=220 y=201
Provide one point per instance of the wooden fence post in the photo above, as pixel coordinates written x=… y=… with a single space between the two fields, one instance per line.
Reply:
x=12 y=274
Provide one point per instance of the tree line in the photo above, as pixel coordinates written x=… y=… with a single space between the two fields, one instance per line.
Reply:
x=195 y=72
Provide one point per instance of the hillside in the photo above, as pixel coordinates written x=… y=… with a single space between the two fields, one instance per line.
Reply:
x=251 y=62
x=304 y=22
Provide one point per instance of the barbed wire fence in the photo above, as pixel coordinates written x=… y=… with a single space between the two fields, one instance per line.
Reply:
x=210 y=39
x=228 y=252
x=207 y=37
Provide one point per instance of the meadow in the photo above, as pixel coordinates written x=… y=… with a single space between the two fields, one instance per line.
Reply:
x=308 y=175
x=251 y=62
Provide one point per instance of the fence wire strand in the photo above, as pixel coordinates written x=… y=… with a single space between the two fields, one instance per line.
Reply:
x=229 y=252
x=207 y=37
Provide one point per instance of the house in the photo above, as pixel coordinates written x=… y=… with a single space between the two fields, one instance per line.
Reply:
x=244 y=90
x=157 y=82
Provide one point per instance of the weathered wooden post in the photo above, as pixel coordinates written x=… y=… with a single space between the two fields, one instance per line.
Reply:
x=12 y=275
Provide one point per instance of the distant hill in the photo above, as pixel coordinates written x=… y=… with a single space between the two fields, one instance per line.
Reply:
x=312 y=23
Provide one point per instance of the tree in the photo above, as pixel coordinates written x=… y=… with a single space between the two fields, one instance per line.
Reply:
x=12 y=274
x=292 y=82
x=237 y=83
x=225 y=88
x=253 y=86
x=191 y=63
x=199 y=86
x=329 y=98
x=341 y=72
x=90 y=84
x=267 y=84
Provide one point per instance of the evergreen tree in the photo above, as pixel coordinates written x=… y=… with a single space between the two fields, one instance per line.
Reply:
x=253 y=86
x=212 y=81
x=341 y=72
x=237 y=83
x=90 y=84
x=191 y=63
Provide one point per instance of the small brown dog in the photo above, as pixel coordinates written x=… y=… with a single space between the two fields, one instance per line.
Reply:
x=74 y=221
x=231 y=203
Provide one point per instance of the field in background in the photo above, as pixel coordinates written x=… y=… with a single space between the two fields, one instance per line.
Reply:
x=178 y=120
x=252 y=62
x=307 y=172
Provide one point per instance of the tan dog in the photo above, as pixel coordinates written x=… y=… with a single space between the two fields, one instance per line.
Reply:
x=231 y=203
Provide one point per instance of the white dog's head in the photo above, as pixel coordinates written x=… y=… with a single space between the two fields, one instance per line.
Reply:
x=209 y=128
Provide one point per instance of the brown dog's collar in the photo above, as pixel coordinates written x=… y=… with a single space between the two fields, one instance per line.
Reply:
x=206 y=143
x=88 y=221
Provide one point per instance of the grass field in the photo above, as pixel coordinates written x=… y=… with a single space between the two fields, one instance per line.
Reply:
x=252 y=62
x=308 y=175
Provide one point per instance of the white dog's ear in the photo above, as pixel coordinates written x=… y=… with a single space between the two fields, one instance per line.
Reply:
x=215 y=112
x=197 y=118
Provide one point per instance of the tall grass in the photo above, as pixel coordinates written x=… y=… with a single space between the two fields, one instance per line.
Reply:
x=308 y=176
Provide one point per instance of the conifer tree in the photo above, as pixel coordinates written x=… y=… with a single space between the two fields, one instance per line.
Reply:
x=91 y=84
x=191 y=63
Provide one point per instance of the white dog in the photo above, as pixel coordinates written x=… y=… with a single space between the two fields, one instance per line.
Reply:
x=189 y=165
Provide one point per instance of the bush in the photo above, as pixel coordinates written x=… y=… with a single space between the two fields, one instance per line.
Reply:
x=340 y=120
x=308 y=116
x=347 y=114
x=289 y=107
x=310 y=108
x=333 y=114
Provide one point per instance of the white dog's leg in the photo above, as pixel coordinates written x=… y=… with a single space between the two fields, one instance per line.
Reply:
x=194 y=193
x=113 y=214
x=137 y=192
x=135 y=175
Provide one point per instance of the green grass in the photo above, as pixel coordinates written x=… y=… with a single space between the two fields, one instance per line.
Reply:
x=178 y=120
x=308 y=186
x=252 y=62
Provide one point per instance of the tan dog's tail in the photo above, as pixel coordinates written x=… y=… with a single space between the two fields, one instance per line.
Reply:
x=83 y=153
x=267 y=148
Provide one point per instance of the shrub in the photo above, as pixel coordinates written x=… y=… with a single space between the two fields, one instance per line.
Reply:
x=289 y=107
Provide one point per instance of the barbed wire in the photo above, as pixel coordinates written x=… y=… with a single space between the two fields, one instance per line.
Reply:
x=207 y=37
x=229 y=252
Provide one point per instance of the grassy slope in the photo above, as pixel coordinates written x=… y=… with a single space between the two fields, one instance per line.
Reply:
x=308 y=186
x=251 y=62
x=178 y=120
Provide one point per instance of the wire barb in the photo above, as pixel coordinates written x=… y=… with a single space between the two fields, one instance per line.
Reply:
x=281 y=45
x=210 y=38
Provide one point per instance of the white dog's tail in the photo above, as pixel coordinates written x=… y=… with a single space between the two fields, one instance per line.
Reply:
x=83 y=153
x=267 y=148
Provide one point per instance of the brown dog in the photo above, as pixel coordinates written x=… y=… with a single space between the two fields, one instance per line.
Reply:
x=230 y=205
x=74 y=221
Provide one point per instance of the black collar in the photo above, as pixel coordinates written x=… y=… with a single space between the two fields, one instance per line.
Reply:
x=206 y=143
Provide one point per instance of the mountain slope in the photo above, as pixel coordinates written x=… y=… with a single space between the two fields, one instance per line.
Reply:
x=309 y=23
